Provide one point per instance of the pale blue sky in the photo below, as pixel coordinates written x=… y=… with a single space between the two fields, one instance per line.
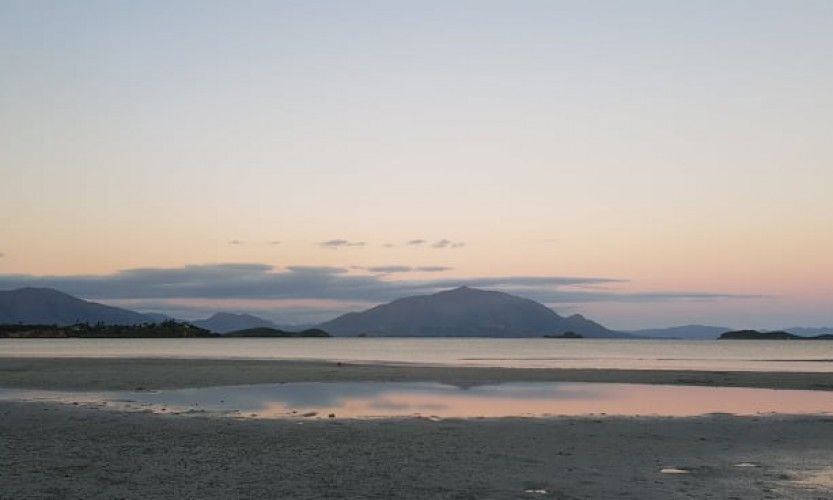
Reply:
x=681 y=146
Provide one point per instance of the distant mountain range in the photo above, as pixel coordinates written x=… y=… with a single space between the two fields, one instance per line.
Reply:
x=461 y=312
x=464 y=312
x=810 y=332
x=223 y=322
x=45 y=306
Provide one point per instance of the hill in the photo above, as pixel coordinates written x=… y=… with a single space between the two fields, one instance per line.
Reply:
x=45 y=306
x=223 y=322
x=464 y=312
x=756 y=335
x=274 y=332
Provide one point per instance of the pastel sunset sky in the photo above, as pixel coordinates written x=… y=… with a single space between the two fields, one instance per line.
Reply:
x=645 y=163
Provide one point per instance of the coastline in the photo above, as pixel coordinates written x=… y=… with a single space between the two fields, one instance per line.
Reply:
x=94 y=374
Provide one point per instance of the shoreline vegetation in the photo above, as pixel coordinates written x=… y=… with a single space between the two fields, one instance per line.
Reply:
x=163 y=330
x=97 y=374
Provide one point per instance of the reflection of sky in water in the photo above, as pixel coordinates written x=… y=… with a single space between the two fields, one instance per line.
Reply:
x=371 y=399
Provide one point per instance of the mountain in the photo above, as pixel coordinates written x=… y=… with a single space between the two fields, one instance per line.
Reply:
x=810 y=332
x=45 y=306
x=223 y=322
x=688 y=332
x=464 y=312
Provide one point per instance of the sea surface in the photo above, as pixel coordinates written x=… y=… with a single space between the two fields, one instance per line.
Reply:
x=727 y=355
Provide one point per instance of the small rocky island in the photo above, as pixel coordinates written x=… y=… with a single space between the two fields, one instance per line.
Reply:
x=775 y=335
x=565 y=335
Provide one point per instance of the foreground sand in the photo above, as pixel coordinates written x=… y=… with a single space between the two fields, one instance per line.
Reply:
x=65 y=451
x=51 y=451
x=128 y=374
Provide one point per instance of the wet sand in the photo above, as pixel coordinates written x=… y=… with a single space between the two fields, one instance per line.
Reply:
x=65 y=451
x=129 y=374
x=51 y=451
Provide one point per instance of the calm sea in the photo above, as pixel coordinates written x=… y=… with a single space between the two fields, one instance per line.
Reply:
x=813 y=356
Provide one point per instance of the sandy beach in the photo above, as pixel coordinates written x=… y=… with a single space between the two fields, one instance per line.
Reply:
x=66 y=451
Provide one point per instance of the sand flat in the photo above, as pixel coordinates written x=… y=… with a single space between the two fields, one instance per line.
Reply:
x=163 y=373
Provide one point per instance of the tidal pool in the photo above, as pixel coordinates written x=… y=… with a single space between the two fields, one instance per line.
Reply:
x=437 y=400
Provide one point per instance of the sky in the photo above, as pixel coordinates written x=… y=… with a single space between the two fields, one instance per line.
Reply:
x=644 y=163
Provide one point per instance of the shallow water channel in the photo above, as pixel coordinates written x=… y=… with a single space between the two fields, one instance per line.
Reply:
x=437 y=400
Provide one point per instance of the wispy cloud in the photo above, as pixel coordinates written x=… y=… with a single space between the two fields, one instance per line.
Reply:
x=243 y=242
x=445 y=243
x=262 y=281
x=556 y=296
x=441 y=243
x=432 y=269
x=339 y=243
x=317 y=269
x=389 y=269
